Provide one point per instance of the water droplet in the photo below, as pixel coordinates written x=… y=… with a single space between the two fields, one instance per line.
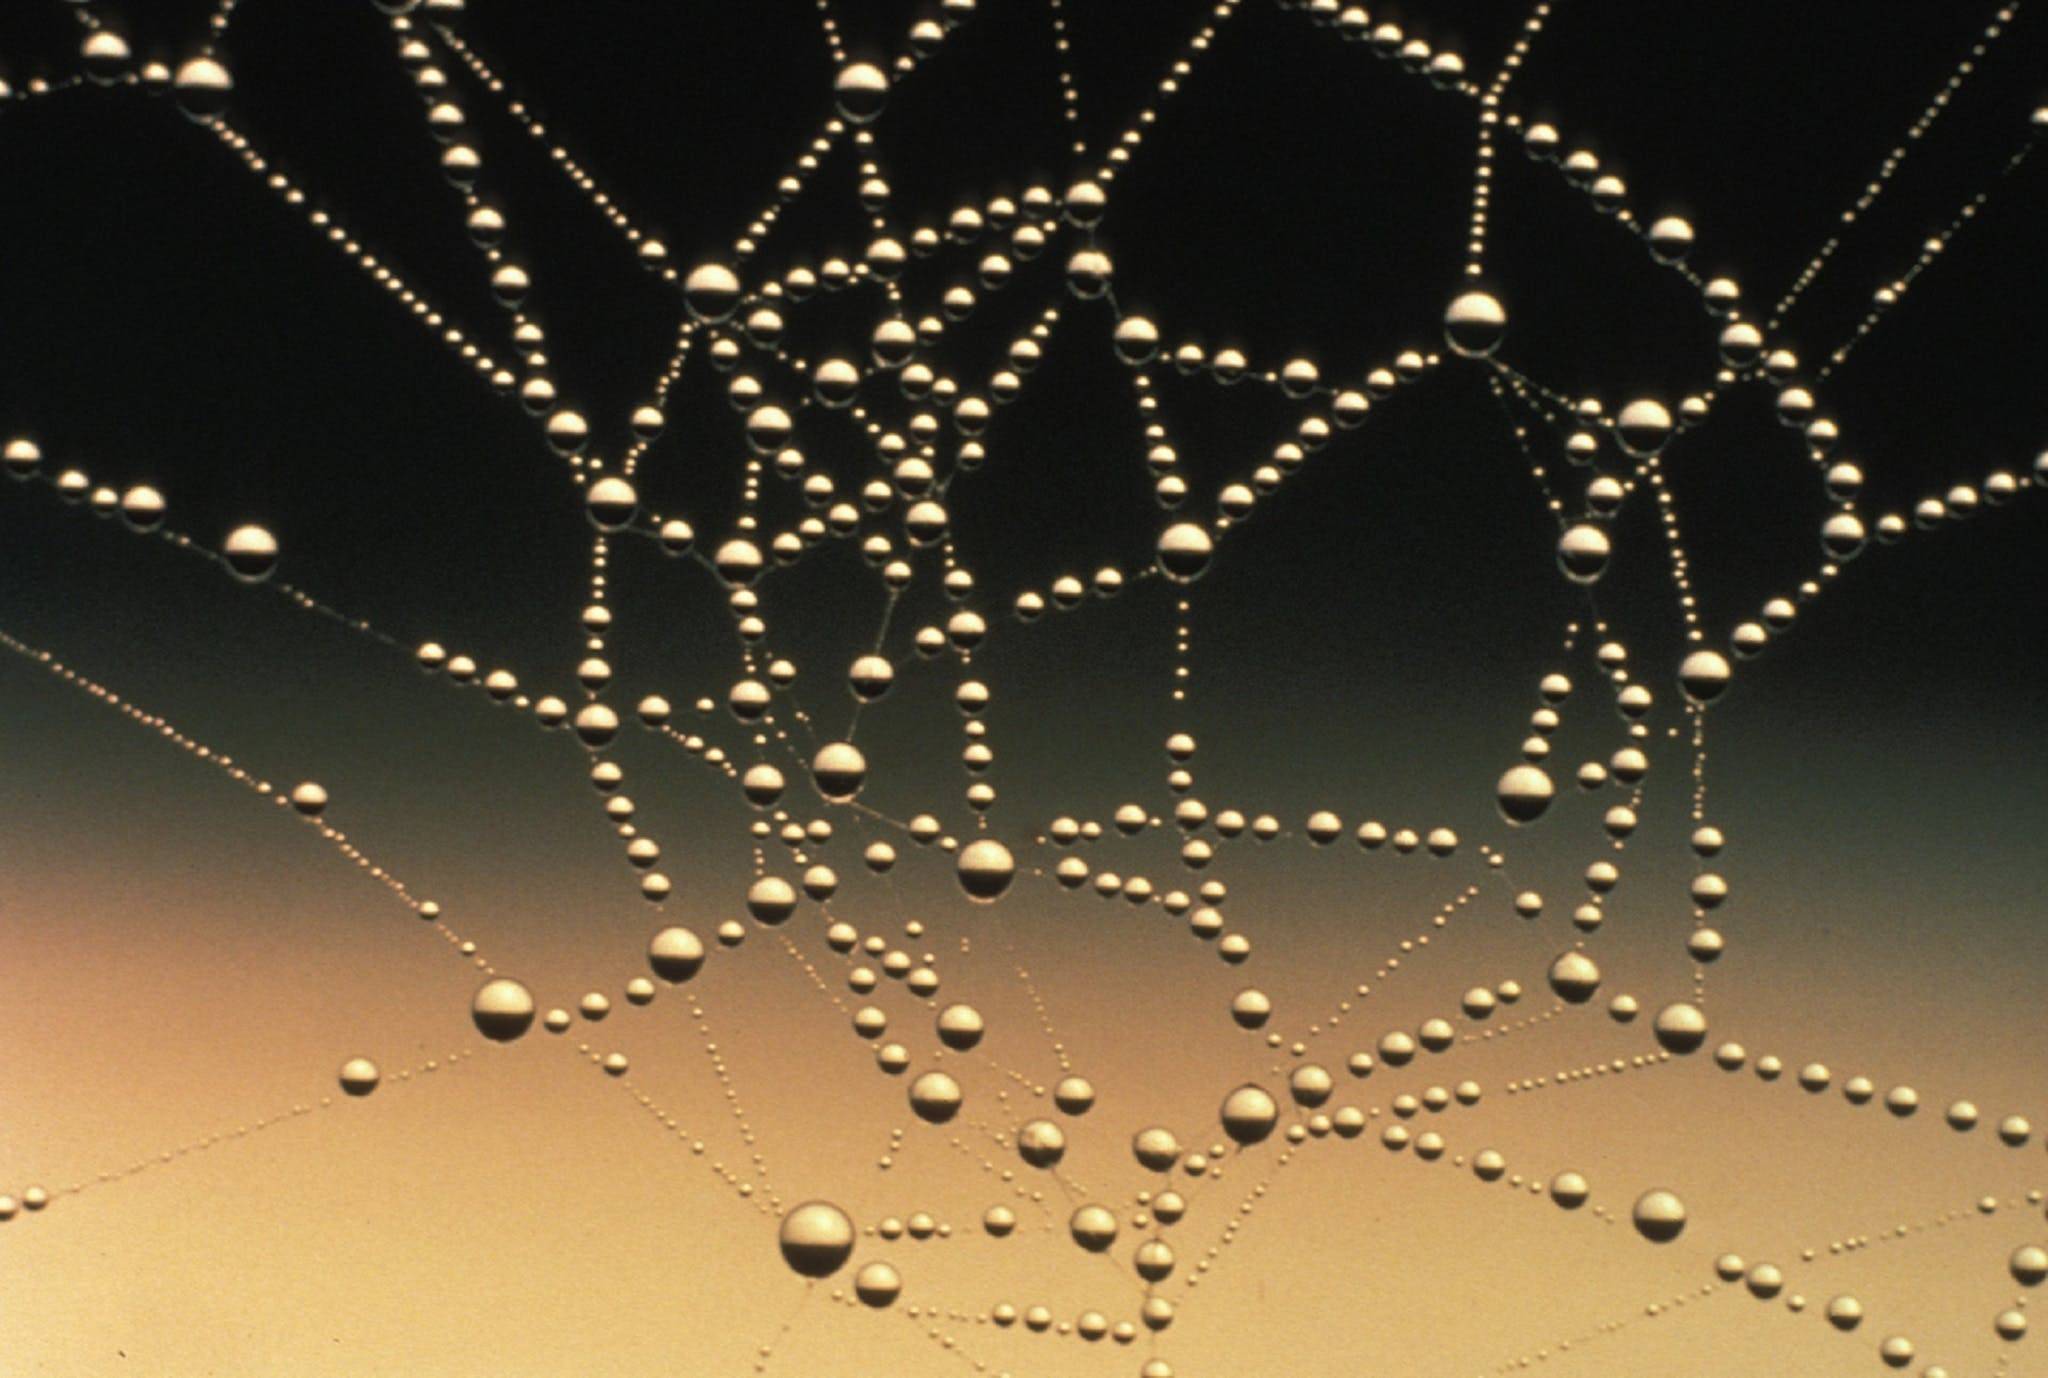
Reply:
x=1249 y=1114
x=502 y=1009
x=1680 y=1027
x=1524 y=793
x=1094 y=1228
x=611 y=503
x=1659 y=1216
x=1474 y=324
x=202 y=86
x=861 y=89
x=251 y=553
x=935 y=1097
x=877 y=1284
x=839 y=770
x=1582 y=553
x=676 y=954
x=985 y=868
x=1041 y=1143
x=359 y=1076
x=1184 y=552
x=1575 y=976
x=816 y=1239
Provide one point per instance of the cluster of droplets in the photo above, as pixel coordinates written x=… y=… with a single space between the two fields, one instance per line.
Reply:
x=925 y=427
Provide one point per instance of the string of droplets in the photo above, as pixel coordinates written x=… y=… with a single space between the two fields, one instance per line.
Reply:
x=1893 y=161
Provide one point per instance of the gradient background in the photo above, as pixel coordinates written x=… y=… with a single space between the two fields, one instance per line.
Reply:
x=178 y=962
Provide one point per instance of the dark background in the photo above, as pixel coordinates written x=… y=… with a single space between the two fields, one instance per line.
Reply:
x=1301 y=197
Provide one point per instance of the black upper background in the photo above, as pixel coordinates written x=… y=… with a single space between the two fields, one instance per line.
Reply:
x=162 y=317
